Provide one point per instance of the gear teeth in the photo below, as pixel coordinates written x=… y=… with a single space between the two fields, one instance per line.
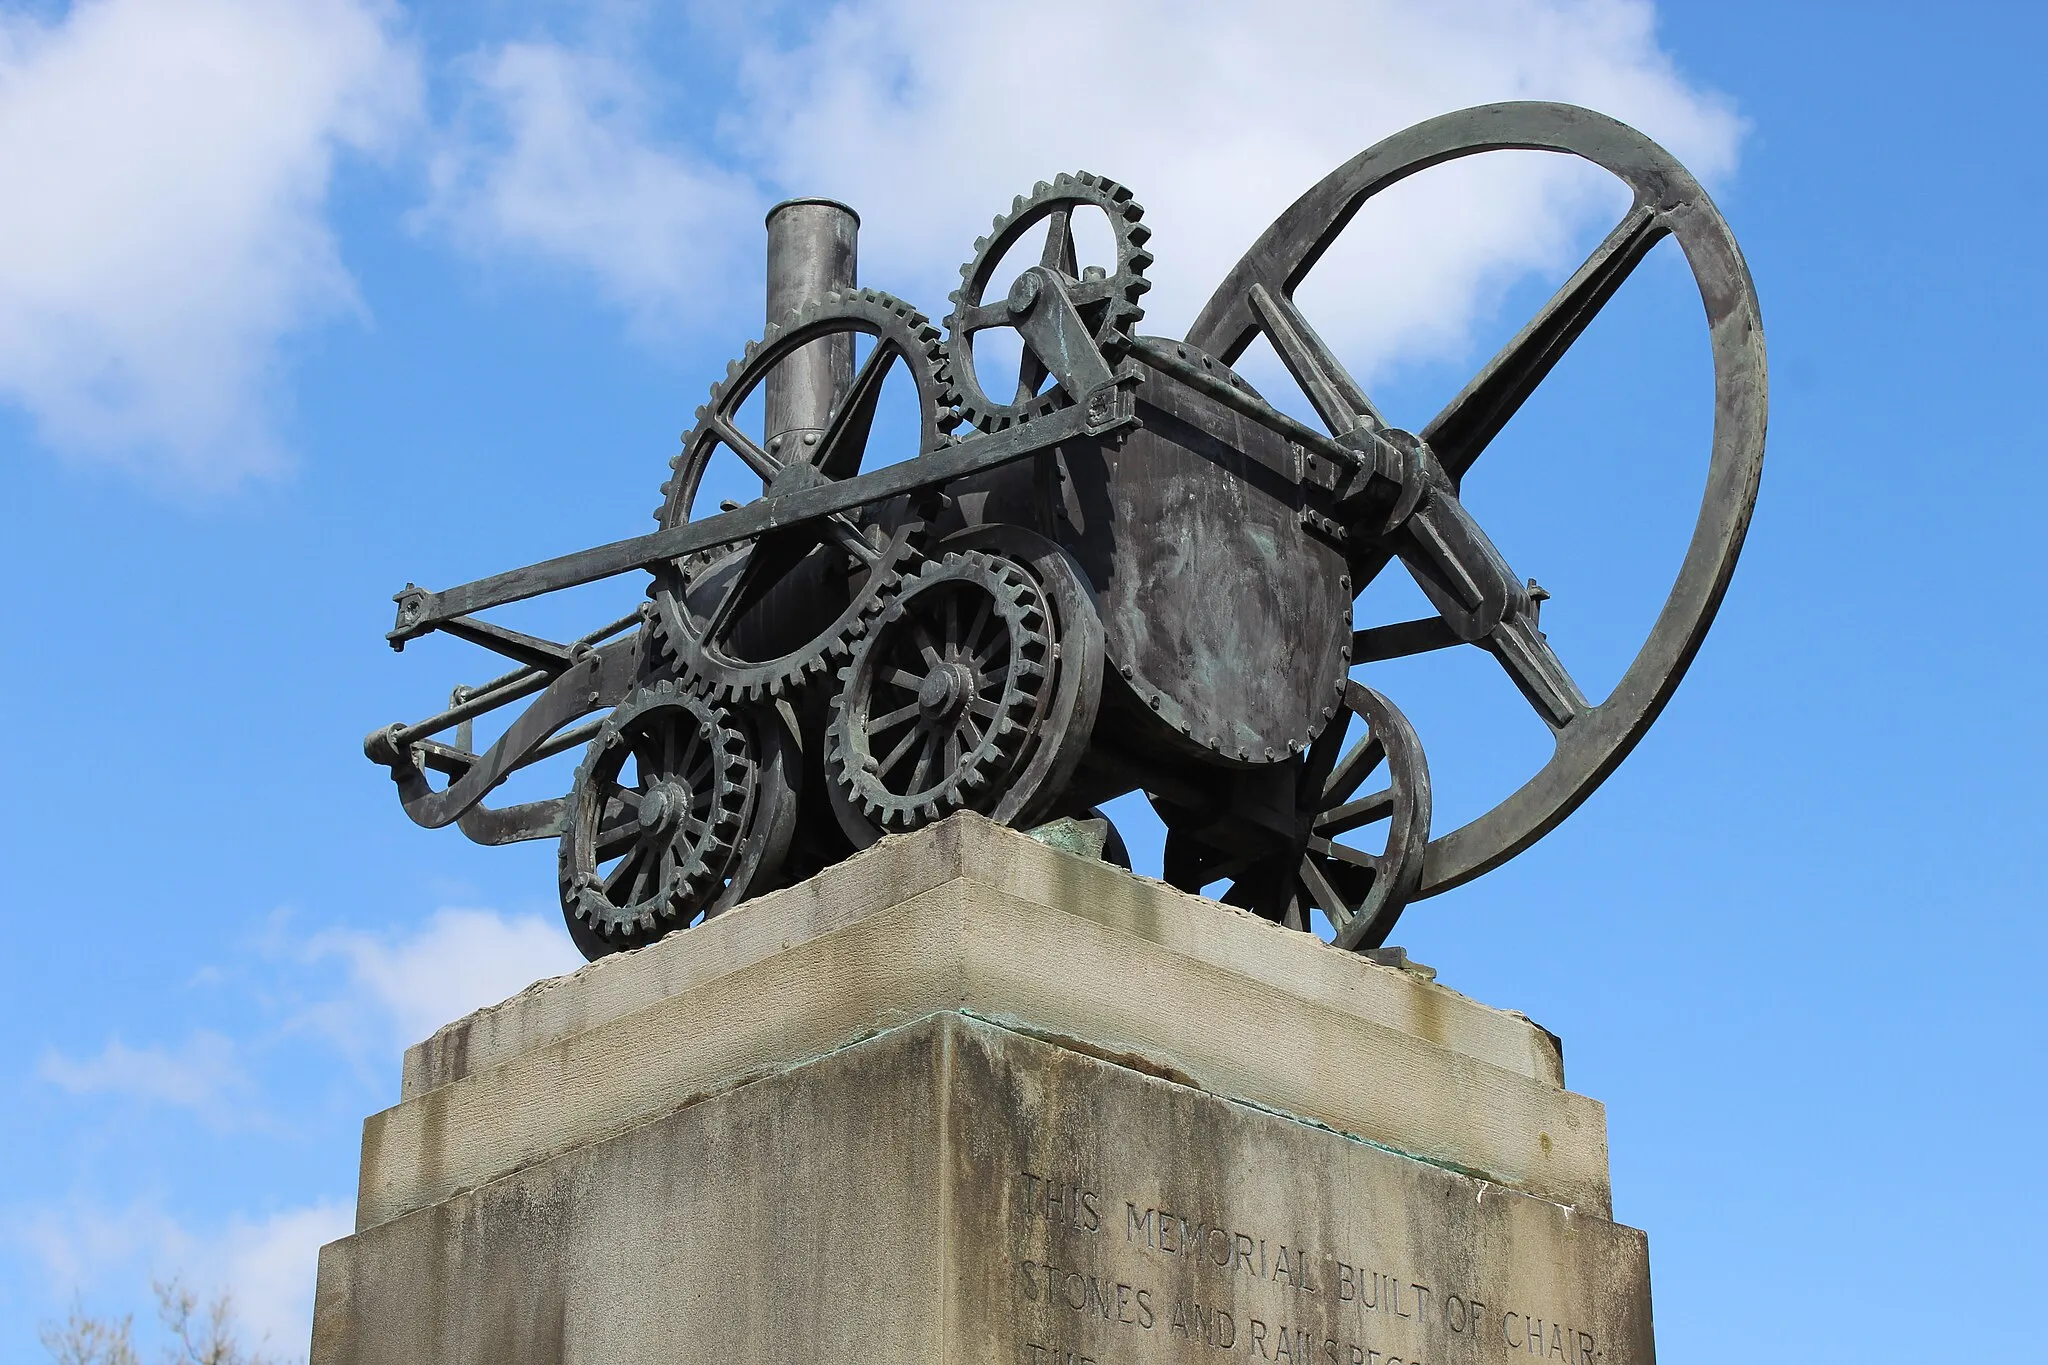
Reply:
x=687 y=884
x=974 y=780
x=975 y=405
x=924 y=348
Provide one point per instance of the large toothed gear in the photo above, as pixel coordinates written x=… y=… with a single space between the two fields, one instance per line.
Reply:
x=939 y=701
x=1107 y=298
x=642 y=857
x=852 y=565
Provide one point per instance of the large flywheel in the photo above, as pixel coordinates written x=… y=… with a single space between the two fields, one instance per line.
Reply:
x=1443 y=542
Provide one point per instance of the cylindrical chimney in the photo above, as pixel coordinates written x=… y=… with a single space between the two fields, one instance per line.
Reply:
x=812 y=250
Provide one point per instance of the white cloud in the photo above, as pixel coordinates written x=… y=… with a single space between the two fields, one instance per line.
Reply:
x=204 y=1075
x=928 y=115
x=459 y=961
x=167 y=164
x=552 y=157
x=1218 y=115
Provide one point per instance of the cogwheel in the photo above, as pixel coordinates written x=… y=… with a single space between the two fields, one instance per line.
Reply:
x=1107 y=299
x=852 y=563
x=642 y=857
x=939 y=700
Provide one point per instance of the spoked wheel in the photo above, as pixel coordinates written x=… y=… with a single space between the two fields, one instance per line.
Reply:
x=782 y=609
x=1257 y=299
x=679 y=808
x=972 y=692
x=1359 y=857
x=940 y=698
x=1106 y=295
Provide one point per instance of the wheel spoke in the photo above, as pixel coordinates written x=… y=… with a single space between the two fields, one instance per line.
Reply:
x=649 y=880
x=889 y=720
x=953 y=751
x=619 y=882
x=744 y=446
x=925 y=646
x=903 y=678
x=1323 y=894
x=1358 y=764
x=768 y=562
x=1344 y=853
x=924 y=760
x=840 y=530
x=846 y=435
x=1323 y=754
x=1461 y=432
x=1537 y=671
x=1337 y=397
x=910 y=738
x=1356 y=814
x=1059 y=244
x=988 y=605
x=986 y=655
x=615 y=836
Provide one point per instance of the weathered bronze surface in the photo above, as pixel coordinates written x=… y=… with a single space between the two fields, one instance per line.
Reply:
x=1125 y=572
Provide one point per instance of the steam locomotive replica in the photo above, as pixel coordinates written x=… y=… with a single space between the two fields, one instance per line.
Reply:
x=1121 y=569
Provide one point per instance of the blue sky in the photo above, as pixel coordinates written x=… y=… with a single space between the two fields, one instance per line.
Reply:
x=300 y=302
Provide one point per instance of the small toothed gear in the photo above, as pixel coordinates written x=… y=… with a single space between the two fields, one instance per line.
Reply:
x=638 y=860
x=686 y=592
x=939 y=701
x=1106 y=299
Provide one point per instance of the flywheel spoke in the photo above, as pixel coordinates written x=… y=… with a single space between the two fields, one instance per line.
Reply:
x=1537 y=672
x=1338 y=398
x=1461 y=432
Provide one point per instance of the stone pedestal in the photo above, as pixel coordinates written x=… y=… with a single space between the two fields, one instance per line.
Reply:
x=972 y=1100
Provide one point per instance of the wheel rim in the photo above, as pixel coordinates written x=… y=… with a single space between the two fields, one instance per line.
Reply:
x=1668 y=201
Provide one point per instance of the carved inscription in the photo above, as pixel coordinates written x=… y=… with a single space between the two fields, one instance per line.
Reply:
x=1129 y=1280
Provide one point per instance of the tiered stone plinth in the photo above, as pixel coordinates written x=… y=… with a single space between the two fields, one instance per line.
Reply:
x=972 y=1100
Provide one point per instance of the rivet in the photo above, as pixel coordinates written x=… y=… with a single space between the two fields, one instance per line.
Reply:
x=1155 y=703
x=810 y=438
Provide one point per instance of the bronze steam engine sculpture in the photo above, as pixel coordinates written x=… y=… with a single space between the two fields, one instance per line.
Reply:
x=1128 y=571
